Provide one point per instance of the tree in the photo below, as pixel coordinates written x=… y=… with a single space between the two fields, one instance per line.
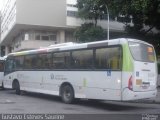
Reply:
x=145 y=15
x=143 y=12
x=91 y=9
x=88 y=32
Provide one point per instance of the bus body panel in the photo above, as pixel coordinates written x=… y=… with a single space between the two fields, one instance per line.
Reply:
x=91 y=85
x=142 y=74
x=144 y=77
x=132 y=95
x=128 y=94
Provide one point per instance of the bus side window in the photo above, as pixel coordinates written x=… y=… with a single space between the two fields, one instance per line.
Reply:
x=101 y=58
x=43 y=61
x=61 y=60
x=115 y=58
x=28 y=62
x=108 y=58
x=82 y=59
x=19 y=62
x=48 y=62
x=114 y=63
x=38 y=62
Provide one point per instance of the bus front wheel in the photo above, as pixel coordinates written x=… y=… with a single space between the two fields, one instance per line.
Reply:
x=3 y=86
x=67 y=94
x=17 y=88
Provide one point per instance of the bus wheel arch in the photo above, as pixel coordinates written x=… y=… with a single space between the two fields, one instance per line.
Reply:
x=67 y=93
x=16 y=86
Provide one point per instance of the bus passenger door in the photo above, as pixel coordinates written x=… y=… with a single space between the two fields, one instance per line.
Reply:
x=8 y=76
x=115 y=75
x=1 y=71
x=109 y=63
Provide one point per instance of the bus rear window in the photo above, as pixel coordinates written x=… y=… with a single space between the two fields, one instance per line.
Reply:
x=142 y=52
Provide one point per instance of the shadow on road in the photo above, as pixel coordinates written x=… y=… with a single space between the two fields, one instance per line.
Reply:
x=95 y=104
x=109 y=105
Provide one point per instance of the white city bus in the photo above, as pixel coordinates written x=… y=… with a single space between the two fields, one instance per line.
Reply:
x=120 y=69
x=2 y=59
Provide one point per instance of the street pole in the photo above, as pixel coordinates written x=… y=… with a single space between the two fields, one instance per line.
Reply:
x=108 y=22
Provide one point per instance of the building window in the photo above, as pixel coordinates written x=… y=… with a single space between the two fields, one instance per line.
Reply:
x=71 y=5
x=48 y=37
x=53 y=37
x=72 y=13
x=26 y=37
x=37 y=37
x=45 y=37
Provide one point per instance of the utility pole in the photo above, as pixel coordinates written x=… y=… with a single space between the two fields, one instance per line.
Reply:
x=108 y=22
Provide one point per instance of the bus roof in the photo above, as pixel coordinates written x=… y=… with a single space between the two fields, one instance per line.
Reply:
x=72 y=46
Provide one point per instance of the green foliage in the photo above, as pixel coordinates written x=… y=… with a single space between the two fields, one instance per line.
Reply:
x=143 y=12
x=88 y=32
x=91 y=9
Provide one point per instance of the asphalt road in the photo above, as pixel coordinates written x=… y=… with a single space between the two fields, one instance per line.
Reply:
x=32 y=103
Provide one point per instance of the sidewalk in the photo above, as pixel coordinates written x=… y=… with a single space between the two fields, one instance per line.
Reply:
x=151 y=100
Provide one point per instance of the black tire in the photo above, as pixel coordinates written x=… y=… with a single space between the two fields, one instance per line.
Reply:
x=17 y=88
x=67 y=94
x=2 y=86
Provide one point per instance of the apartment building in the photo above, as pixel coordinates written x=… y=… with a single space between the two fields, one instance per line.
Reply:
x=30 y=24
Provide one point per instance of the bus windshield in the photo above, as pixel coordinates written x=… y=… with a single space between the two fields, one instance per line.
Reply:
x=142 y=52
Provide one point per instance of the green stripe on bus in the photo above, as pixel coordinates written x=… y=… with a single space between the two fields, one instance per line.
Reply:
x=84 y=82
x=127 y=59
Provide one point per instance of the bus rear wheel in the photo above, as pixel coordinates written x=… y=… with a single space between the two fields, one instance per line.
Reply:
x=17 y=88
x=67 y=94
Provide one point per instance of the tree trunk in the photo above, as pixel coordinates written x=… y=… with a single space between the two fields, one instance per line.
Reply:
x=95 y=22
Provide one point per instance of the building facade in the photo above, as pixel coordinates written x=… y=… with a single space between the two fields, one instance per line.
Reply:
x=30 y=24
